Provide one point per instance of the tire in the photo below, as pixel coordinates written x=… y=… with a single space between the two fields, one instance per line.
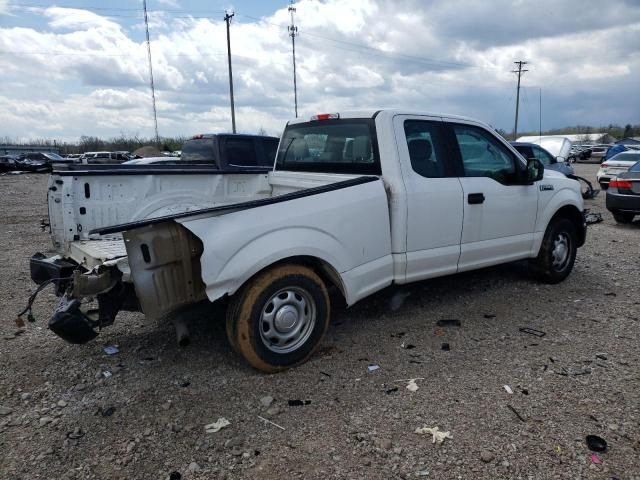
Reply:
x=262 y=317
x=622 y=217
x=557 y=253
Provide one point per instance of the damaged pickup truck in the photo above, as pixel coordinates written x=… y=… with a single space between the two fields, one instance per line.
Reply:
x=355 y=201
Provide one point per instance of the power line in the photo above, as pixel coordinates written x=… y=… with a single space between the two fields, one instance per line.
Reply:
x=520 y=71
x=293 y=32
x=227 y=19
x=153 y=89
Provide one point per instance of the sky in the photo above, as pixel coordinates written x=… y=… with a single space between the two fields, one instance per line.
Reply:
x=80 y=67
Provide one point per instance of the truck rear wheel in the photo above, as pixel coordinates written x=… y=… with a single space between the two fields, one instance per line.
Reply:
x=279 y=318
x=557 y=253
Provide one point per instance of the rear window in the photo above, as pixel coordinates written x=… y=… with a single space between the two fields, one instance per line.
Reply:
x=240 y=152
x=198 y=150
x=331 y=146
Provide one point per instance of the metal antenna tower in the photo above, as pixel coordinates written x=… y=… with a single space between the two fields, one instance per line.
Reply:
x=519 y=71
x=293 y=32
x=153 y=89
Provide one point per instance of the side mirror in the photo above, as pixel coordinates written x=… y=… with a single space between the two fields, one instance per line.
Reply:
x=535 y=170
x=560 y=159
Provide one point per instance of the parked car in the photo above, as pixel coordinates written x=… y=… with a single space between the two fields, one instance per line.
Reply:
x=7 y=163
x=105 y=157
x=623 y=195
x=598 y=152
x=550 y=162
x=355 y=201
x=616 y=165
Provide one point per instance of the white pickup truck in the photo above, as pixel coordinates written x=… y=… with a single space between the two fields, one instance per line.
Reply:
x=356 y=201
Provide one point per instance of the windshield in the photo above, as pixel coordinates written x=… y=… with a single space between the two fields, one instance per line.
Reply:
x=331 y=146
x=198 y=150
x=53 y=156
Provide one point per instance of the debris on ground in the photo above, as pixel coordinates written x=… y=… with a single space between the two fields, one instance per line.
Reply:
x=448 y=322
x=175 y=475
x=446 y=347
x=596 y=443
x=266 y=401
x=407 y=346
x=111 y=349
x=373 y=368
x=508 y=389
x=107 y=412
x=532 y=331
x=412 y=386
x=217 y=425
x=298 y=403
x=272 y=423
x=489 y=315
x=592 y=218
x=595 y=458
x=520 y=417
x=391 y=390
x=437 y=436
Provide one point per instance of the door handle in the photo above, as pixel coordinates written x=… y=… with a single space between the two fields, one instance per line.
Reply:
x=475 y=198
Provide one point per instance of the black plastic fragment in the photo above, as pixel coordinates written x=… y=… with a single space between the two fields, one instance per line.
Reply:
x=596 y=443
x=448 y=322
x=298 y=403
x=532 y=331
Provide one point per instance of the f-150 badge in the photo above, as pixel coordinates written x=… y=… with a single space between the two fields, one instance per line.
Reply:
x=546 y=187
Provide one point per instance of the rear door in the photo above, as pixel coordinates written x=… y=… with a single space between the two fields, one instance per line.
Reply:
x=499 y=211
x=434 y=197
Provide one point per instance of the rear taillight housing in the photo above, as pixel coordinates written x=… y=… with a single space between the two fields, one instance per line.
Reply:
x=616 y=183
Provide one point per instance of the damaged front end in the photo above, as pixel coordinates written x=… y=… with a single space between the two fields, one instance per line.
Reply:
x=90 y=300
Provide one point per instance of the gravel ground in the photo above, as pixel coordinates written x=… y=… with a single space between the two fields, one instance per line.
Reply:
x=63 y=416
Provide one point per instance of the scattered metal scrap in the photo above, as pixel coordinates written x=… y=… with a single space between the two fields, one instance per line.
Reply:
x=532 y=331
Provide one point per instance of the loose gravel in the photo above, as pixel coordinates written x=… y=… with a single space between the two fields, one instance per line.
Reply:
x=74 y=412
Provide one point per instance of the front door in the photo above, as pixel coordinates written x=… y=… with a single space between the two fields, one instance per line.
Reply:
x=434 y=197
x=499 y=210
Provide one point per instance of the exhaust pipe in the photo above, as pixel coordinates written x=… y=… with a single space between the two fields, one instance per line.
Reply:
x=182 y=332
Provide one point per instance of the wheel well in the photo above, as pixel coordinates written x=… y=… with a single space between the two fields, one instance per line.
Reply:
x=325 y=271
x=574 y=215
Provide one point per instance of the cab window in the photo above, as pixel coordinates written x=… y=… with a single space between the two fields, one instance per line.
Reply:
x=483 y=155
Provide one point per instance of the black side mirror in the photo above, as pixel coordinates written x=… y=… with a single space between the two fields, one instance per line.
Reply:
x=535 y=170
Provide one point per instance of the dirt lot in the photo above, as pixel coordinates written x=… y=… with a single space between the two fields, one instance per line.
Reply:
x=63 y=416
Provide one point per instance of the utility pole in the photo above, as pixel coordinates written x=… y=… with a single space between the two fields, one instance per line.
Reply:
x=520 y=71
x=153 y=89
x=227 y=18
x=293 y=32
x=540 y=113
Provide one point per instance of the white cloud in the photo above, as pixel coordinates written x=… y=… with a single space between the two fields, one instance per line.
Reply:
x=90 y=75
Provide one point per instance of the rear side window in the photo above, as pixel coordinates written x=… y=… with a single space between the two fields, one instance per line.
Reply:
x=426 y=148
x=332 y=146
x=198 y=150
x=240 y=152
x=483 y=155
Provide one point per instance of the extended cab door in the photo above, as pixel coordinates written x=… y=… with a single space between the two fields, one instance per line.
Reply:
x=499 y=210
x=434 y=197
